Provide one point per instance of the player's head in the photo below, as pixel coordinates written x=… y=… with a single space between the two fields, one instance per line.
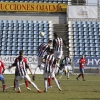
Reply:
x=21 y=53
x=55 y=34
x=49 y=42
x=82 y=56
x=52 y=51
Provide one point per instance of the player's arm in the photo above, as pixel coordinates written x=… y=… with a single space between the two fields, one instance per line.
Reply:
x=14 y=64
x=54 y=43
x=64 y=42
x=54 y=63
x=44 y=58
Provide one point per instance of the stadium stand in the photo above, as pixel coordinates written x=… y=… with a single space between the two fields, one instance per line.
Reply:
x=17 y=35
x=86 y=38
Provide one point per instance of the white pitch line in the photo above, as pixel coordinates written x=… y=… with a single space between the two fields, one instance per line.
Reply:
x=13 y=86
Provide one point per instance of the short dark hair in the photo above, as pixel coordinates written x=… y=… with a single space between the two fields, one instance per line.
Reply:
x=55 y=34
x=52 y=51
x=49 y=41
x=21 y=52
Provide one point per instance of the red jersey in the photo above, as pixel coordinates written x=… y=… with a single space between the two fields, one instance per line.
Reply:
x=82 y=61
x=1 y=66
x=23 y=59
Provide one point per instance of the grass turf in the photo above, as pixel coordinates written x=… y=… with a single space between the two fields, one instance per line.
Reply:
x=71 y=89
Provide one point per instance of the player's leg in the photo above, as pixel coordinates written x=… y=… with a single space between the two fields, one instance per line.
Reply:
x=56 y=81
x=49 y=82
x=27 y=85
x=83 y=74
x=32 y=83
x=17 y=78
x=79 y=74
x=3 y=82
x=14 y=84
x=45 y=81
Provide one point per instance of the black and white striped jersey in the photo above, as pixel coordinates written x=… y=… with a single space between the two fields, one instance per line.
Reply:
x=21 y=67
x=58 y=44
x=50 y=61
x=68 y=60
x=43 y=49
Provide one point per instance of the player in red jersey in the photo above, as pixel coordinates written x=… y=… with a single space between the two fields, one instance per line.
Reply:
x=82 y=61
x=2 y=69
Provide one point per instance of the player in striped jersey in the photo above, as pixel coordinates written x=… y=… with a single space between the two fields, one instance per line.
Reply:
x=68 y=65
x=57 y=46
x=2 y=69
x=43 y=50
x=50 y=64
x=21 y=65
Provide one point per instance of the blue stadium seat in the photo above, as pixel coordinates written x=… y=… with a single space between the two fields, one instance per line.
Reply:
x=97 y=48
x=98 y=54
x=87 y=41
x=92 y=44
x=81 y=40
x=76 y=44
x=93 y=53
x=14 y=52
x=30 y=48
x=76 y=53
x=93 y=49
x=20 y=48
x=3 y=52
x=81 y=45
x=82 y=49
x=82 y=52
x=87 y=48
x=3 y=48
x=92 y=41
x=76 y=48
x=45 y=40
x=25 y=44
x=9 y=52
x=36 y=44
x=30 y=52
x=35 y=48
x=20 y=44
x=30 y=36
x=87 y=53
x=35 y=52
x=30 y=44
x=97 y=45
x=25 y=47
x=97 y=41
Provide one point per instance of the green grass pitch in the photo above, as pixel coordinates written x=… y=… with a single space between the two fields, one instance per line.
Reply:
x=71 y=89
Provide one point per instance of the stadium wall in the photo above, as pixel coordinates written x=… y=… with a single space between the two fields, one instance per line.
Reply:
x=56 y=18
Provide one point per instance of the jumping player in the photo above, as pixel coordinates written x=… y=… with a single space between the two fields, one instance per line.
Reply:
x=43 y=50
x=57 y=46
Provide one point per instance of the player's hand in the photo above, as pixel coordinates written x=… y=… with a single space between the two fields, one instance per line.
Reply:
x=33 y=77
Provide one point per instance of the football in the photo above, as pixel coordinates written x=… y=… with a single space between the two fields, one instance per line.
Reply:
x=42 y=34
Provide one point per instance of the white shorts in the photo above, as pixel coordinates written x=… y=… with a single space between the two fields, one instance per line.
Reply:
x=55 y=70
x=47 y=75
x=39 y=60
x=58 y=54
x=26 y=77
x=67 y=68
